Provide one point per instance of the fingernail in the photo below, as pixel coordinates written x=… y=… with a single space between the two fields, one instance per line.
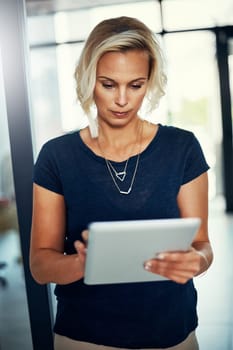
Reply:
x=160 y=256
x=148 y=265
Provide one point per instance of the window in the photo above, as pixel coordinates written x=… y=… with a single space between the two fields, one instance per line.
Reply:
x=188 y=14
x=192 y=95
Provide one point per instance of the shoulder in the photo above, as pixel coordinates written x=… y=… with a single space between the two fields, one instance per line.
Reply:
x=177 y=137
x=60 y=141
x=175 y=132
x=59 y=148
x=60 y=145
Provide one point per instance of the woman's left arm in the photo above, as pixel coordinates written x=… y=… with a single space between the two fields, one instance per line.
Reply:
x=182 y=266
x=193 y=202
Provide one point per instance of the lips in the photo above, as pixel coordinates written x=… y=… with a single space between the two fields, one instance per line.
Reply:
x=120 y=114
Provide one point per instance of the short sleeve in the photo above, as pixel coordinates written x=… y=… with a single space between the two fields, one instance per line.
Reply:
x=46 y=169
x=195 y=163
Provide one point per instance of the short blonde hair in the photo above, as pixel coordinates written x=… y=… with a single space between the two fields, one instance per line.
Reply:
x=118 y=35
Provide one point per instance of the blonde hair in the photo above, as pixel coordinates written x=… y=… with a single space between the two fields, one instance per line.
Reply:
x=118 y=35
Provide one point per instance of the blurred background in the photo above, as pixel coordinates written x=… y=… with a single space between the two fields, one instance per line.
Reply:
x=40 y=43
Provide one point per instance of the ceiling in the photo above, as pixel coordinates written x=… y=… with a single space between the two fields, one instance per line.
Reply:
x=40 y=7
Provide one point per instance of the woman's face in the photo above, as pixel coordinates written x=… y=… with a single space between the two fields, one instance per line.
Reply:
x=121 y=84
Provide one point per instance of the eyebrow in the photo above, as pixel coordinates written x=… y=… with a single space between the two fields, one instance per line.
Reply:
x=132 y=81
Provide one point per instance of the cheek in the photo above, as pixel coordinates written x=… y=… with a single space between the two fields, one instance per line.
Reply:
x=100 y=98
x=97 y=98
x=140 y=99
x=100 y=102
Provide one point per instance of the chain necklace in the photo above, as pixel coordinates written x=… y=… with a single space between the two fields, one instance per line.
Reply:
x=120 y=175
x=132 y=180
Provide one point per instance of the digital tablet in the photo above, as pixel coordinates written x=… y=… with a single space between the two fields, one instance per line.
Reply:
x=117 y=250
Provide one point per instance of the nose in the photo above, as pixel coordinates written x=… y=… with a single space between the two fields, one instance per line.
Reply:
x=121 y=97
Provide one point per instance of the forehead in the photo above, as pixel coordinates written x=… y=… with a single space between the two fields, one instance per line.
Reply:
x=130 y=63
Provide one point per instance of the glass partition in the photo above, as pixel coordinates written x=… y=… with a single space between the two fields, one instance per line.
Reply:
x=15 y=330
x=36 y=36
x=187 y=14
x=45 y=104
x=76 y=25
x=193 y=95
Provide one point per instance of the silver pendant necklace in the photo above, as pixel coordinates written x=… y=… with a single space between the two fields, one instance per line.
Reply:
x=132 y=180
x=121 y=175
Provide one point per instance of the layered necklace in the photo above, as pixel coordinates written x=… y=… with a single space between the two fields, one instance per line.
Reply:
x=119 y=177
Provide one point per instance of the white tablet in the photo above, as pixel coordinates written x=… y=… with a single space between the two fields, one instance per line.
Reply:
x=117 y=250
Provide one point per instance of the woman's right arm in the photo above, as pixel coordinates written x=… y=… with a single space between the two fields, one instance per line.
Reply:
x=47 y=260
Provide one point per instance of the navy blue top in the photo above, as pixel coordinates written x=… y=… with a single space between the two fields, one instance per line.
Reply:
x=129 y=315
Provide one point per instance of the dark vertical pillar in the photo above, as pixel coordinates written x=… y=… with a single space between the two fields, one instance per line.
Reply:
x=222 y=57
x=14 y=53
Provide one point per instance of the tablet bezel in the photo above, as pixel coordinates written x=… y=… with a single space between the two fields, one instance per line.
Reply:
x=117 y=250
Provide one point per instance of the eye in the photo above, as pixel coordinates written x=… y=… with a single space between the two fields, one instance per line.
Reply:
x=136 y=86
x=107 y=85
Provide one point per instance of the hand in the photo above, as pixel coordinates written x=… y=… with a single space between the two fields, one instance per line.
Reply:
x=81 y=248
x=177 y=266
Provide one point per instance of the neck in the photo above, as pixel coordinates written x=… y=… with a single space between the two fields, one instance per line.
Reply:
x=121 y=144
x=119 y=137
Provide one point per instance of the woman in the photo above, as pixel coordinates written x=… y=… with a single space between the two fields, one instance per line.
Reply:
x=120 y=167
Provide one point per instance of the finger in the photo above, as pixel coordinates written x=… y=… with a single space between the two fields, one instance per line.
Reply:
x=181 y=266
x=179 y=276
x=81 y=250
x=85 y=235
x=176 y=256
x=176 y=276
x=80 y=247
x=189 y=260
x=178 y=272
